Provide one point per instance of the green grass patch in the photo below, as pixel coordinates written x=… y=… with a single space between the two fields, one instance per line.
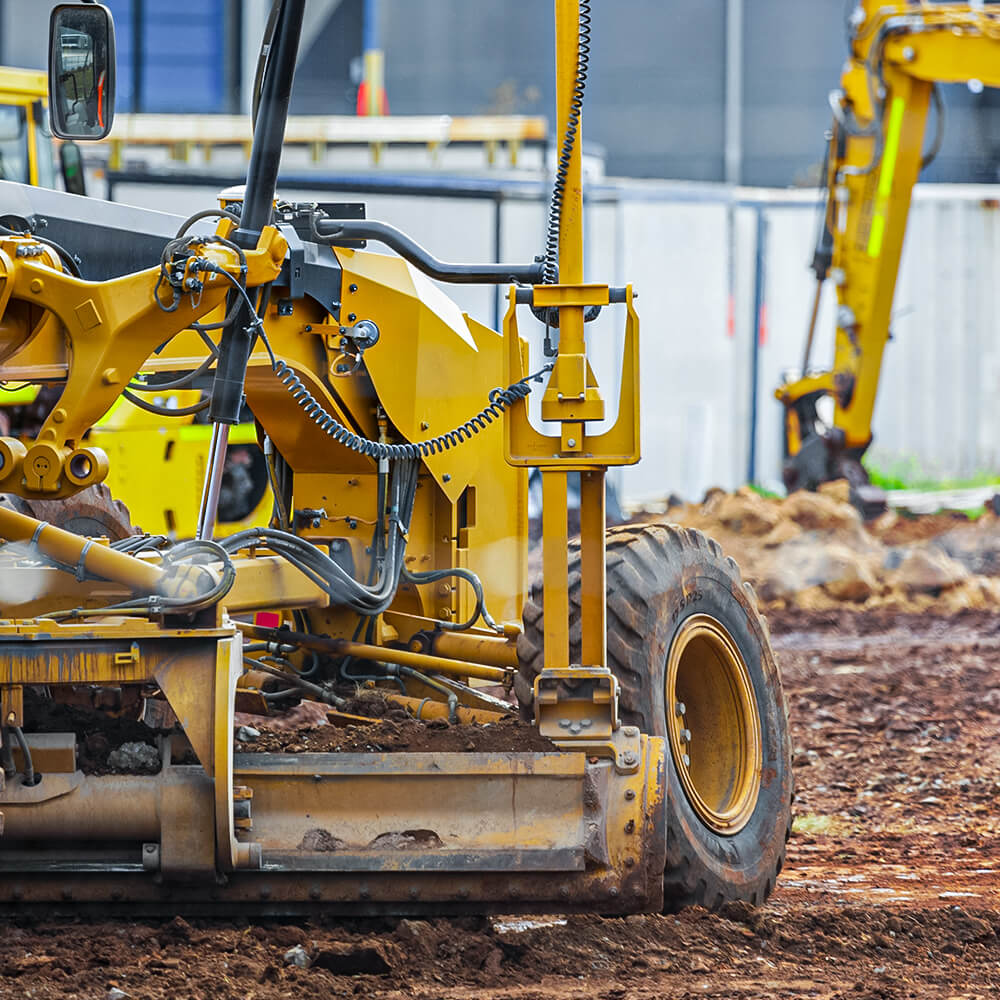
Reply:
x=763 y=491
x=908 y=474
x=815 y=825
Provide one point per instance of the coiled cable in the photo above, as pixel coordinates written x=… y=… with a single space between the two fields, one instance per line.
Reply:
x=499 y=401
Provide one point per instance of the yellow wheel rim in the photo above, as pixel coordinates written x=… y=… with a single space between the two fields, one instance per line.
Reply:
x=713 y=724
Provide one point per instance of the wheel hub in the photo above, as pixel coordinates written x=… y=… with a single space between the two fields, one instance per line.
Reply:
x=713 y=724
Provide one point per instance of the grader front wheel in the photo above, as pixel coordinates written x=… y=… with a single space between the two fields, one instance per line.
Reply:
x=694 y=664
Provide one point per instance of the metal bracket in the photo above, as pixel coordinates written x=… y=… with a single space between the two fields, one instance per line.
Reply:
x=579 y=400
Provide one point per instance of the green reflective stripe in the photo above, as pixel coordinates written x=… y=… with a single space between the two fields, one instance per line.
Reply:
x=22 y=394
x=889 y=157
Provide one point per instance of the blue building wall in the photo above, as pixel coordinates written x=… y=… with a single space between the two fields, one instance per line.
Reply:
x=183 y=48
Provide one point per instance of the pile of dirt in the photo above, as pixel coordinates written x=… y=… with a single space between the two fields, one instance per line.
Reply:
x=306 y=728
x=813 y=551
x=394 y=735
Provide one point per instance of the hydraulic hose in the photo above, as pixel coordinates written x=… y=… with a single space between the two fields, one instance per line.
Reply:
x=330 y=231
x=29 y=768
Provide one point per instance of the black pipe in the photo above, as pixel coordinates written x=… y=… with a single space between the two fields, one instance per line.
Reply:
x=29 y=767
x=342 y=230
x=262 y=179
x=758 y=332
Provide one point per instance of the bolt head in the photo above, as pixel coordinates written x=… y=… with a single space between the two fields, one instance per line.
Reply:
x=680 y=708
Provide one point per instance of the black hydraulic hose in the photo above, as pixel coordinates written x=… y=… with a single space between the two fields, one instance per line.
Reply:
x=931 y=155
x=479 y=611
x=29 y=768
x=265 y=48
x=208 y=213
x=314 y=689
x=163 y=411
x=331 y=231
x=178 y=383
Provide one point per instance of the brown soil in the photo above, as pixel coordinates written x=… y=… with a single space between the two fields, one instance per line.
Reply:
x=891 y=888
x=813 y=551
x=390 y=735
x=901 y=529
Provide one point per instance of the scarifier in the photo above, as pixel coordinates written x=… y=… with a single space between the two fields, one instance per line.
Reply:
x=397 y=551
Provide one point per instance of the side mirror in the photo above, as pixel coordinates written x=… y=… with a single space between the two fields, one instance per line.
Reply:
x=81 y=71
x=71 y=164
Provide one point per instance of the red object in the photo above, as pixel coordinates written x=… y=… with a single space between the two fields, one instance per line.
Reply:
x=100 y=100
x=362 y=108
x=267 y=619
x=762 y=326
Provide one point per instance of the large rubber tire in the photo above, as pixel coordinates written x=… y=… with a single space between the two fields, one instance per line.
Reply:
x=659 y=577
x=92 y=512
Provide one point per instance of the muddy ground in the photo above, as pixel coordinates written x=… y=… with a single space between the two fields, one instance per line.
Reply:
x=891 y=887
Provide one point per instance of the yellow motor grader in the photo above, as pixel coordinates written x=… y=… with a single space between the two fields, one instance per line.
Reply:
x=398 y=445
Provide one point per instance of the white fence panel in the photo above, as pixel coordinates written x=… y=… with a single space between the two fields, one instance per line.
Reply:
x=692 y=254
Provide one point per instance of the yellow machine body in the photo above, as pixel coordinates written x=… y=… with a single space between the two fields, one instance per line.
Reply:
x=25 y=145
x=898 y=53
x=580 y=827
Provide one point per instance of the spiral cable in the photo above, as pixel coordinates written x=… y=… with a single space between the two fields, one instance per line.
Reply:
x=551 y=269
x=500 y=400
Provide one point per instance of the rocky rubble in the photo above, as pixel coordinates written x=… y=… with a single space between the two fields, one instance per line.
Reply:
x=813 y=551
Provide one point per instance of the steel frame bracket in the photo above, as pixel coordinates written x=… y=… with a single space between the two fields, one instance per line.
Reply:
x=572 y=396
x=577 y=708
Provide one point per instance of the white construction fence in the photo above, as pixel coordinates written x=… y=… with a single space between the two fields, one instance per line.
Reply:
x=724 y=297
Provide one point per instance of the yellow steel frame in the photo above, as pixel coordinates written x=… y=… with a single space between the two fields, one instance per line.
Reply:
x=904 y=48
x=527 y=826
x=111 y=328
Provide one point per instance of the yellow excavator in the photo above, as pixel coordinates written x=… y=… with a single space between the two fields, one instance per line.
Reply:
x=898 y=55
x=652 y=766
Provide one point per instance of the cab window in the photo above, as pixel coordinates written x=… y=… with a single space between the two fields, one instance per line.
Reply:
x=13 y=144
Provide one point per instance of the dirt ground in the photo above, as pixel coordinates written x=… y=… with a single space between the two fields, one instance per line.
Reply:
x=891 y=887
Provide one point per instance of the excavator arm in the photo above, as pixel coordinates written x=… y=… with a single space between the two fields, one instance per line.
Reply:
x=899 y=52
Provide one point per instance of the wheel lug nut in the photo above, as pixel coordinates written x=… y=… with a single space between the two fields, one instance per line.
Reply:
x=687 y=760
x=680 y=708
x=685 y=735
